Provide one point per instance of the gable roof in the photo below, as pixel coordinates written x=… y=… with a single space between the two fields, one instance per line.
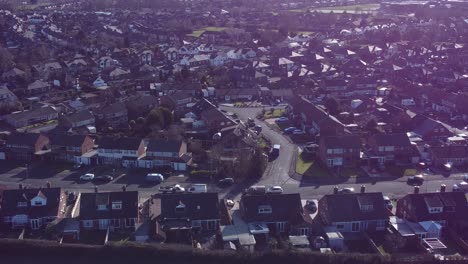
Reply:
x=89 y=203
x=28 y=139
x=284 y=207
x=79 y=116
x=119 y=143
x=12 y=197
x=425 y=125
x=198 y=206
x=398 y=139
x=66 y=140
x=341 y=142
x=347 y=207
x=155 y=145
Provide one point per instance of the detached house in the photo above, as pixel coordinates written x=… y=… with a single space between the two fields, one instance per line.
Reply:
x=123 y=151
x=338 y=151
x=102 y=210
x=184 y=213
x=279 y=213
x=32 y=208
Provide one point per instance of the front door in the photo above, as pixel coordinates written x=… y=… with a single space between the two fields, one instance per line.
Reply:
x=35 y=223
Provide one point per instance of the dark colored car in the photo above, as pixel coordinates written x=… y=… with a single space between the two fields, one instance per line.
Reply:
x=104 y=178
x=226 y=182
x=416 y=180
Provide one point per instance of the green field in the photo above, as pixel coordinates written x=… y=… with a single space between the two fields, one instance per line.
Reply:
x=366 y=8
x=197 y=33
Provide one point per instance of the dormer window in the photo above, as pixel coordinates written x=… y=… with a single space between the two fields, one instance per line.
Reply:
x=180 y=208
x=117 y=205
x=367 y=208
x=22 y=204
x=102 y=207
x=264 y=209
x=435 y=210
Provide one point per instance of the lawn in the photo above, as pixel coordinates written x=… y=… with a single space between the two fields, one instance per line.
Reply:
x=399 y=171
x=276 y=113
x=199 y=32
x=303 y=164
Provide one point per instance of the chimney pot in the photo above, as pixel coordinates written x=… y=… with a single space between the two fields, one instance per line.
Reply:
x=124 y=188
x=442 y=187
x=416 y=189
x=48 y=185
x=363 y=188
x=335 y=190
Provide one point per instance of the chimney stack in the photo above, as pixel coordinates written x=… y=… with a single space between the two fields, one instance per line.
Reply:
x=48 y=185
x=95 y=189
x=442 y=187
x=21 y=186
x=124 y=188
x=363 y=188
x=335 y=190
x=416 y=189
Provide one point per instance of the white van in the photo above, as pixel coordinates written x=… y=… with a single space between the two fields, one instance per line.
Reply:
x=198 y=188
x=154 y=177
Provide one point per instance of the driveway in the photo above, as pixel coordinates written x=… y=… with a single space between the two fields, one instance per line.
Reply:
x=277 y=171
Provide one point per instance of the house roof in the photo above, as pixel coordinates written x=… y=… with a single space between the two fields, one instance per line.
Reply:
x=66 y=140
x=352 y=207
x=119 y=143
x=12 y=197
x=425 y=125
x=399 y=140
x=198 y=206
x=284 y=208
x=155 y=145
x=419 y=205
x=38 y=84
x=32 y=114
x=89 y=205
x=23 y=139
x=111 y=109
x=79 y=116
x=342 y=142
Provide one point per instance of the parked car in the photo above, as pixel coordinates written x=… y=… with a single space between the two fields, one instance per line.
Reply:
x=275 y=189
x=465 y=177
x=388 y=202
x=78 y=166
x=250 y=122
x=258 y=128
x=461 y=187
x=298 y=132
x=198 y=188
x=275 y=150
x=104 y=178
x=281 y=119
x=172 y=189
x=346 y=190
x=289 y=130
x=87 y=177
x=311 y=206
x=416 y=180
x=226 y=182
x=154 y=177
x=256 y=189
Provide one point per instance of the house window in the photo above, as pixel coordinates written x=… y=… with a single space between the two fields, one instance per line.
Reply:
x=355 y=227
x=115 y=223
x=88 y=223
x=264 y=209
x=280 y=226
x=340 y=226
x=38 y=203
x=303 y=231
x=211 y=225
x=117 y=205
x=129 y=222
x=22 y=204
x=102 y=207
x=180 y=208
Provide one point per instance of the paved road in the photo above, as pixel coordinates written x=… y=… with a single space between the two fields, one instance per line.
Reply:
x=277 y=172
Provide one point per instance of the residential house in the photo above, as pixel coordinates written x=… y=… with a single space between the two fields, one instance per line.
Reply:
x=7 y=97
x=356 y=212
x=120 y=151
x=32 y=208
x=29 y=117
x=78 y=119
x=392 y=147
x=215 y=120
x=184 y=213
x=26 y=146
x=218 y=59
x=13 y=74
x=141 y=106
x=177 y=101
x=146 y=56
x=171 y=54
x=71 y=148
x=196 y=60
x=334 y=86
x=113 y=115
x=445 y=208
x=340 y=151
x=276 y=214
x=455 y=154
x=165 y=153
x=38 y=87
x=106 y=62
x=430 y=129
x=103 y=210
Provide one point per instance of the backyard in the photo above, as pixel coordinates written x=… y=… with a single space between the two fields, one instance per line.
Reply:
x=197 y=33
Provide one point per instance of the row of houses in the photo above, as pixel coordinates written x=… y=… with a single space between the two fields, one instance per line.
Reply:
x=127 y=152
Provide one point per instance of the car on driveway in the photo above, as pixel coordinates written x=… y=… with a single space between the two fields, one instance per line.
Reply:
x=281 y=119
x=346 y=190
x=416 y=180
x=388 y=202
x=226 y=182
x=275 y=189
x=87 y=177
x=104 y=178
x=289 y=130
